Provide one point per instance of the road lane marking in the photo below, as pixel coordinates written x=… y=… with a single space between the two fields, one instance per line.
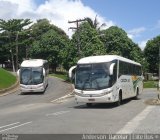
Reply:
x=62 y=98
x=61 y=112
x=57 y=113
x=28 y=105
x=15 y=126
x=8 y=125
x=135 y=122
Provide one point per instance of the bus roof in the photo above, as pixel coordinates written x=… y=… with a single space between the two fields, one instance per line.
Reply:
x=104 y=58
x=33 y=63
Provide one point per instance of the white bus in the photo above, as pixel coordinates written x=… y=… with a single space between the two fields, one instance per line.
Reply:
x=106 y=79
x=33 y=75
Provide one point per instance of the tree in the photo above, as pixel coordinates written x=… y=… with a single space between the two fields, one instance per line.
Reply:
x=50 y=43
x=90 y=43
x=151 y=53
x=4 y=53
x=117 y=42
x=70 y=55
x=41 y=27
x=94 y=23
x=12 y=28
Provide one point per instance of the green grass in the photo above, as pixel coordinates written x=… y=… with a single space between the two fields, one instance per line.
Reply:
x=150 y=84
x=6 y=79
x=60 y=75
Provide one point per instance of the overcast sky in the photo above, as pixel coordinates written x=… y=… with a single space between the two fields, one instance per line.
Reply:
x=139 y=18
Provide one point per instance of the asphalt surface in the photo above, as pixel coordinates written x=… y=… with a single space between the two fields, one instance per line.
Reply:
x=56 y=89
x=37 y=114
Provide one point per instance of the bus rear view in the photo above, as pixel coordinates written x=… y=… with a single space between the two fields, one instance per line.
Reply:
x=33 y=75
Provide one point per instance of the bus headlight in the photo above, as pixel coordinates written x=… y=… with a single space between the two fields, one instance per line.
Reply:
x=76 y=93
x=22 y=86
x=107 y=92
x=40 y=86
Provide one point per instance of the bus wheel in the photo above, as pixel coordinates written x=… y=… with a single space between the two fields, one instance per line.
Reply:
x=137 y=93
x=119 y=102
x=88 y=104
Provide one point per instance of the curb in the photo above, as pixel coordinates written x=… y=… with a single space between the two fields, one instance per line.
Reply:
x=13 y=88
x=155 y=102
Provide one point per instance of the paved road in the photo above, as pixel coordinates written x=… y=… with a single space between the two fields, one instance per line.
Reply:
x=35 y=114
x=56 y=88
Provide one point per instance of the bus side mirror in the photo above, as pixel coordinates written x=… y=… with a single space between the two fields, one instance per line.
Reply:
x=111 y=68
x=44 y=72
x=71 y=74
x=18 y=72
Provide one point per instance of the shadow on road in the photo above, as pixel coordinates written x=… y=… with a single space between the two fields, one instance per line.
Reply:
x=104 y=105
x=32 y=93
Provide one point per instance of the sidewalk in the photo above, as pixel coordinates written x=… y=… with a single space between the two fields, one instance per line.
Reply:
x=151 y=123
x=148 y=120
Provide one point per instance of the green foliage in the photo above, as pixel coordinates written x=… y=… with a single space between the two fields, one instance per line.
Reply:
x=117 y=42
x=150 y=84
x=41 y=27
x=151 y=53
x=12 y=31
x=50 y=43
x=47 y=41
x=4 y=52
x=69 y=55
x=90 y=43
x=62 y=76
x=95 y=24
x=13 y=25
x=85 y=42
x=6 y=79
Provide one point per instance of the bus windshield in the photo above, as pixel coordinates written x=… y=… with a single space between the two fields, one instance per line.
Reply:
x=92 y=76
x=31 y=76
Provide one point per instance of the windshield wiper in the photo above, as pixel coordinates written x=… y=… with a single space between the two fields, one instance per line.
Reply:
x=29 y=81
x=86 y=81
x=95 y=79
x=97 y=84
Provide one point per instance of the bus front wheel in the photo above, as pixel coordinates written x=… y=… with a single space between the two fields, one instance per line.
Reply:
x=137 y=93
x=119 y=102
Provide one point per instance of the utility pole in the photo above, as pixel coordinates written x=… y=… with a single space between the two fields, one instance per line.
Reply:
x=78 y=33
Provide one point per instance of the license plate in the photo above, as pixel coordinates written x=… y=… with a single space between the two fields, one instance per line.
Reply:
x=91 y=100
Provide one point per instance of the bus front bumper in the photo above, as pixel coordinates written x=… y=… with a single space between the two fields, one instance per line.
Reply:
x=32 y=88
x=95 y=98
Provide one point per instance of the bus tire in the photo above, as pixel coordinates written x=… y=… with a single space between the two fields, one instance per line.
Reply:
x=137 y=93
x=119 y=102
x=89 y=104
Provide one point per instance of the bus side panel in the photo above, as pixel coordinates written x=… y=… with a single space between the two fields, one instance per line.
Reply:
x=129 y=85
